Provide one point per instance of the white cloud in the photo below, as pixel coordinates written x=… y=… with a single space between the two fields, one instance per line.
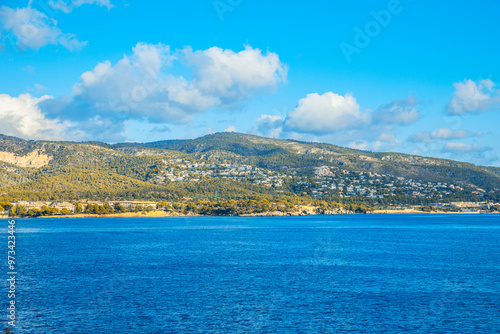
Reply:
x=335 y=118
x=461 y=147
x=325 y=113
x=401 y=112
x=230 y=128
x=33 y=29
x=268 y=126
x=442 y=133
x=387 y=137
x=21 y=117
x=235 y=76
x=188 y=97
x=140 y=85
x=359 y=145
x=134 y=84
x=474 y=96
x=445 y=133
x=68 y=6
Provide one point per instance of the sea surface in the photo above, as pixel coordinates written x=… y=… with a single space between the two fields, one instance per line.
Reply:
x=316 y=274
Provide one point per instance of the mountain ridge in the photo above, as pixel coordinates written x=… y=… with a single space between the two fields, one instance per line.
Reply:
x=167 y=167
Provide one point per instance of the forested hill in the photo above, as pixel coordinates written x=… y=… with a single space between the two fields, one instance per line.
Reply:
x=234 y=165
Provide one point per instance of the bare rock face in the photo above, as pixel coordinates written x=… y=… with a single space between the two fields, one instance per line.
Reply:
x=35 y=159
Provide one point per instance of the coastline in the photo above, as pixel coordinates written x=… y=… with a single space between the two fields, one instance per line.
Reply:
x=415 y=212
x=158 y=213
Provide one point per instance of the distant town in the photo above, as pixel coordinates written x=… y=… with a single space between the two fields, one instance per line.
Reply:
x=327 y=180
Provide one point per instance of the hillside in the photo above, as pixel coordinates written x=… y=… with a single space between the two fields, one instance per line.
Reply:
x=234 y=165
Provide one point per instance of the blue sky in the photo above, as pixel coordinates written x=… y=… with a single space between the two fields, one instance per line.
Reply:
x=414 y=76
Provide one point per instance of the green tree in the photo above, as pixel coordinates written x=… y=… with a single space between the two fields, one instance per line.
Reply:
x=119 y=208
x=48 y=211
x=6 y=205
x=191 y=207
x=44 y=210
x=33 y=213
x=78 y=208
x=105 y=208
x=427 y=208
x=65 y=211
x=13 y=211
x=91 y=208
x=18 y=210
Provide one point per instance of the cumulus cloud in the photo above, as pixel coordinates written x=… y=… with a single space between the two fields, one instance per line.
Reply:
x=325 y=113
x=33 y=29
x=401 y=112
x=141 y=85
x=338 y=118
x=68 y=6
x=233 y=76
x=134 y=85
x=442 y=133
x=474 y=97
x=268 y=126
x=21 y=117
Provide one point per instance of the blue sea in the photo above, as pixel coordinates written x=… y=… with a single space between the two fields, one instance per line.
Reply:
x=316 y=274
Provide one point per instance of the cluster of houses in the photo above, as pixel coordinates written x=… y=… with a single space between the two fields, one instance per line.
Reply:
x=327 y=180
x=344 y=183
x=179 y=170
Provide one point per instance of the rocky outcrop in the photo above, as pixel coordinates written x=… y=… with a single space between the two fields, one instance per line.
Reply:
x=35 y=159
